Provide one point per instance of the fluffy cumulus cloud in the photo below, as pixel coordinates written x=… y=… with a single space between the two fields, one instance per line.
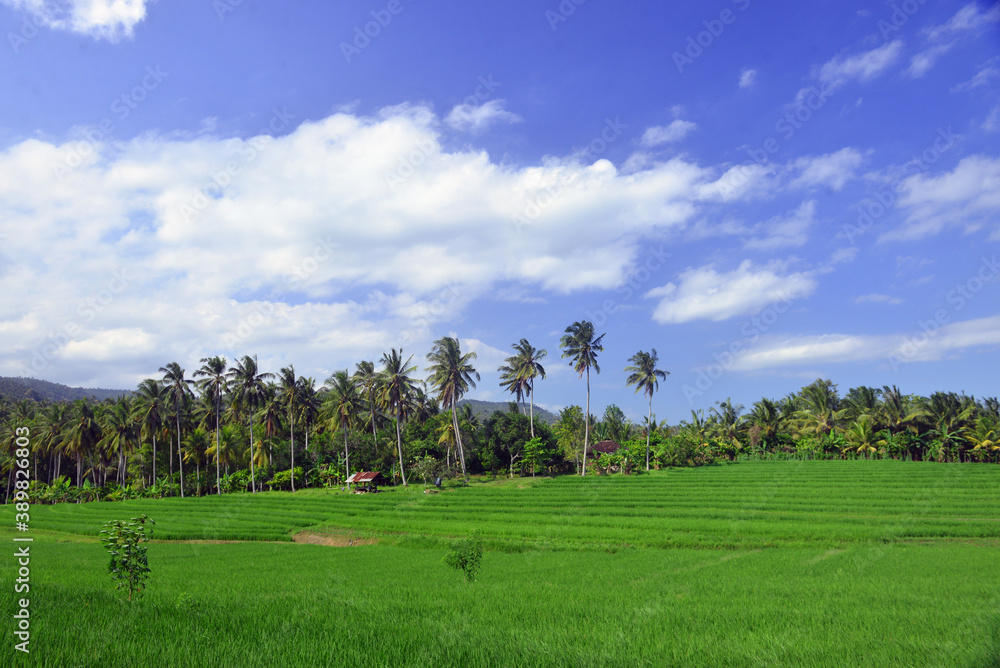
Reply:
x=706 y=294
x=108 y=19
x=350 y=233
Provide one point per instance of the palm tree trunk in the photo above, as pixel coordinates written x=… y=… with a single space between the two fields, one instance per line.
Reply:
x=399 y=447
x=347 y=457
x=586 y=427
x=649 y=428
x=531 y=398
x=458 y=435
x=180 y=459
x=253 y=482
x=218 y=466
x=154 y=458
x=291 y=422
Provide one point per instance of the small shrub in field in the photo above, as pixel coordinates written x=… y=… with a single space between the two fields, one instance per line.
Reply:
x=123 y=541
x=466 y=556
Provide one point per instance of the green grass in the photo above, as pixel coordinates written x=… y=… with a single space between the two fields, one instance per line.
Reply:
x=813 y=564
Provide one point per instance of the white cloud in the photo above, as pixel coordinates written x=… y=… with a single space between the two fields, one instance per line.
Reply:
x=892 y=349
x=705 y=294
x=788 y=230
x=832 y=170
x=944 y=37
x=350 y=233
x=922 y=62
x=992 y=122
x=863 y=66
x=108 y=19
x=982 y=78
x=748 y=77
x=659 y=134
x=474 y=118
x=966 y=197
x=969 y=18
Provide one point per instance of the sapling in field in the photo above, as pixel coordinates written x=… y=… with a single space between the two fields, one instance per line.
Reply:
x=466 y=555
x=123 y=540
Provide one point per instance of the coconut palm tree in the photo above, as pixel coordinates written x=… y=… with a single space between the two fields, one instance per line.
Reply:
x=196 y=445
x=289 y=393
x=520 y=371
x=821 y=412
x=342 y=407
x=248 y=390
x=309 y=405
x=367 y=380
x=53 y=424
x=83 y=436
x=213 y=369
x=452 y=375
x=581 y=346
x=224 y=448
x=396 y=392
x=120 y=432
x=179 y=388
x=150 y=410
x=646 y=377
x=863 y=436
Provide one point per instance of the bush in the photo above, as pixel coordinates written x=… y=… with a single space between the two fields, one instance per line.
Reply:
x=466 y=556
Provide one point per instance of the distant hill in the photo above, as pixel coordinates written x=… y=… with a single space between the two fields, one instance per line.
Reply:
x=19 y=388
x=484 y=409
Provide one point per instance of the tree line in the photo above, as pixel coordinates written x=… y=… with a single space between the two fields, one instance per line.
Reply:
x=244 y=429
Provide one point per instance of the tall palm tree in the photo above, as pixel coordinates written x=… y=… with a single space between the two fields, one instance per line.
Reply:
x=224 y=449
x=342 y=407
x=309 y=405
x=179 y=388
x=53 y=425
x=396 y=392
x=150 y=411
x=646 y=377
x=83 y=436
x=120 y=431
x=195 y=447
x=821 y=412
x=290 y=395
x=367 y=380
x=452 y=374
x=214 y=384
x=248 y=390
x=520 y=371
x=581 y=346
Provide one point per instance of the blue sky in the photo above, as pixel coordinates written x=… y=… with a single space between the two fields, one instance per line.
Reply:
x=766 y=193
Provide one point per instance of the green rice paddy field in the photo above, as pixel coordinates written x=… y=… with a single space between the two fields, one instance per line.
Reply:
x=832 y=563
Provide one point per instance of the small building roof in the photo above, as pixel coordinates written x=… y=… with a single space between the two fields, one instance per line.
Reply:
x=604 y=446
x=364 y=476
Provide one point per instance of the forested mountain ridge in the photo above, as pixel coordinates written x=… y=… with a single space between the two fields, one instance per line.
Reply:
x=484 y=409
x=17 y=388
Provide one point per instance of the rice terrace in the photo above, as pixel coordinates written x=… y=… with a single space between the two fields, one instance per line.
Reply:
x=799 y=563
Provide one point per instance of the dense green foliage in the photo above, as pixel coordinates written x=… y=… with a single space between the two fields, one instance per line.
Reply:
x=198 y=434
